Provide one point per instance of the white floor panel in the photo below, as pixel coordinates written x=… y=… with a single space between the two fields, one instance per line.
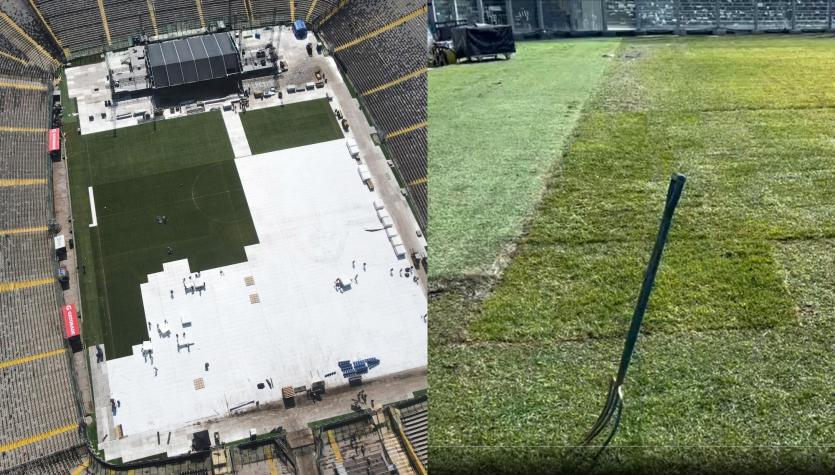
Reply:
x=314 y=217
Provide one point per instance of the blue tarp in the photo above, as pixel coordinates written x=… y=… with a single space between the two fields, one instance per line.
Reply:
x=299 y=29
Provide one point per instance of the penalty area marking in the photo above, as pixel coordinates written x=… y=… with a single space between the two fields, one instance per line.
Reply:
x=93 y=207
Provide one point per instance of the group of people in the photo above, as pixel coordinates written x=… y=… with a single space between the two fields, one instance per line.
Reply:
x=406 y=272
x=340 y=286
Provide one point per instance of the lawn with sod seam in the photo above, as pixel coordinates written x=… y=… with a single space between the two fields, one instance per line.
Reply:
x=208 y=222
x=496 y=129
x=737 y=348
x=291 y=125
x=157 y=147
x=186 y=174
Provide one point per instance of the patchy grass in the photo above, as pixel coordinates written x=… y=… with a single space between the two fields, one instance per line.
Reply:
x=809 y=270
x=733 y=73
x=589 y=291
x=731 y=369
x=496 y=130
x=464 y=305
x=760 y=174
x=731 y=388
x=712 y=390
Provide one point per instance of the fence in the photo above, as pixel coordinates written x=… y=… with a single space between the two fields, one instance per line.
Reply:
x=640 y=16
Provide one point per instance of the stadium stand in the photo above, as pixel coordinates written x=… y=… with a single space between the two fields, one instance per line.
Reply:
x=40 y=416
x=377 y=43
x=41 y=431
x=78 y=23
x=277 y=11
x=88 y=26
x=39 y=427
x=224 y=10
x=356 y=447
x=310 y=10
x=59 y=463
x=414 y=419
x=380 y=47
x=29 y=20
x=173 y=14
x=127 y=18
x=22 y=56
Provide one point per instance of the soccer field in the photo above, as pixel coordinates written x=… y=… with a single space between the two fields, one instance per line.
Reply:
x=737 y=341
x=182 y=169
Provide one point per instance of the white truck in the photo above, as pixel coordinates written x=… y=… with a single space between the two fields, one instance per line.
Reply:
x=353 y=148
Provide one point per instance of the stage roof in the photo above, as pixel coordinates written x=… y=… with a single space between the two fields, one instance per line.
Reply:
x=195 y=59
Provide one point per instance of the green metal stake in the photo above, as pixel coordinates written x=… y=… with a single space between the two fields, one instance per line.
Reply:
x=614 y=398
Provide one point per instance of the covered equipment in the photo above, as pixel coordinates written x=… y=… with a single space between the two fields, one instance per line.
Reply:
x=474 y=41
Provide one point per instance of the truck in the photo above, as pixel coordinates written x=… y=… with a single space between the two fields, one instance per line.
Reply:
x=353 y=148
x=300 y=29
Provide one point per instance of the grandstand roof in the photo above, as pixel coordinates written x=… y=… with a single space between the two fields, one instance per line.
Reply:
x=195 y=59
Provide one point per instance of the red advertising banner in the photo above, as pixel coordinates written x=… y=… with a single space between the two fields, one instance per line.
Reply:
x=70 y=321
x=54 y=140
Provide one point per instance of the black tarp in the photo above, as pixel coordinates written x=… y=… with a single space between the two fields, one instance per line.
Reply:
x=201 y=441
x=201 y=57
x=443 y=30
x=195 y=59
x=186 y=61
x=469 y=41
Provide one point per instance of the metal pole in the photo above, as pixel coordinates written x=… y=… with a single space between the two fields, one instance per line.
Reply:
x=638 y=22
x=605 y=24
x=673 y=195
x=677 y=12
x=756 y=16
x=794 y=16
x=455 y=6
x=509 y=13
x=571 y=15
x=829 y=15
x=539 y=14
x=481 y=10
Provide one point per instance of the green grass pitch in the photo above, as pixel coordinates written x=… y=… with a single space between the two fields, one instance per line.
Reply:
x=497 y=129
x=732 y=365
x=182 y=169
x=291 y=125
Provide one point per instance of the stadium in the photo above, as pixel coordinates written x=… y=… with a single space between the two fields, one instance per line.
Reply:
x=572 y=142
x=192 y=193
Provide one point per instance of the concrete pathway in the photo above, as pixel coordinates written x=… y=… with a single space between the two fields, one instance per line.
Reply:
x=385 y=390
x=382 y=174
x=237 y=136
x=61 y=205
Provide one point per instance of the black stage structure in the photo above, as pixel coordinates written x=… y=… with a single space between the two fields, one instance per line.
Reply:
x=192 y=60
